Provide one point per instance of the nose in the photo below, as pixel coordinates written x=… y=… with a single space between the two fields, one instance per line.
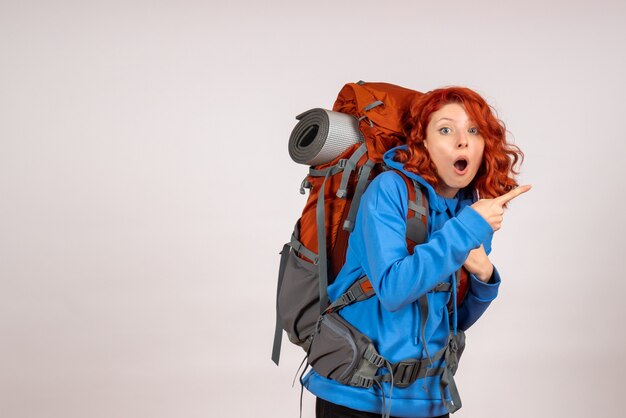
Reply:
x=462 y=140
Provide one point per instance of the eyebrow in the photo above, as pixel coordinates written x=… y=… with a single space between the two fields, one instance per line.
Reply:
x=471 y=122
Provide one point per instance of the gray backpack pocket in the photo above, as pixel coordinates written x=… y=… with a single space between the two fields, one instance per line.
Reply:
x=338 y=349
x=298 y=298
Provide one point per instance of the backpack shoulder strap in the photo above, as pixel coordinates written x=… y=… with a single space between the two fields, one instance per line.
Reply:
x=416 y=226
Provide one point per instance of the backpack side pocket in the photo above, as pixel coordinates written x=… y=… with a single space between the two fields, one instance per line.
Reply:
x=337 y=348
x=298 y=298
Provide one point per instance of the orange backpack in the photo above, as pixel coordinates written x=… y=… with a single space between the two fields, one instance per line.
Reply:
x=335 y=189
x=379 y=108
x=317 y=250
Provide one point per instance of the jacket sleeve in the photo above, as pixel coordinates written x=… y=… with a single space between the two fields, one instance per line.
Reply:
x=479 y=297
x=379 y=238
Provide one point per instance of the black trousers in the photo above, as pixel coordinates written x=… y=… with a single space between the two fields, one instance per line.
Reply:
x=325 y=409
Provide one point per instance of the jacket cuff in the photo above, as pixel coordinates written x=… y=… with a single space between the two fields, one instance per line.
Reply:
x=485 y=292
x=477 y=226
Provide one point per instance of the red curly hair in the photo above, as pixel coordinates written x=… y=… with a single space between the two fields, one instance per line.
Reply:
x=500 y=159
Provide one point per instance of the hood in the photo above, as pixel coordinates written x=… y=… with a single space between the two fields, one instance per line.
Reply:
x=436 y=202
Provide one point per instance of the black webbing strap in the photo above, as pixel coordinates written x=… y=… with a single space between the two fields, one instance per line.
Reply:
x=358 y=291
x=423 y=305
x=324 y=171
x=406 y=372
x=421 y=203
x=370 y=107
x=278 y=329
x=321 y=238
x=442 y=287
x=418 y=205
x=301 y=249
x=373 y=105
x=361 y=184
x=447 y=378
x=306 y=184
x=416 y=226
x=350 y=166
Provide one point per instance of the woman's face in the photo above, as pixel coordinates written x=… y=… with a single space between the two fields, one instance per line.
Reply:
x=455 y=146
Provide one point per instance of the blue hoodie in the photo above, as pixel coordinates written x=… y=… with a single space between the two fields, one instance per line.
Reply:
x=377 y=248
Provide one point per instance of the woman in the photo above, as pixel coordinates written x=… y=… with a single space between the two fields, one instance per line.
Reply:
x=457 y=150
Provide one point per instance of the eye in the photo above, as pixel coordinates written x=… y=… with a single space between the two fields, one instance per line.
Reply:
x=473 y=131
x=445 y=130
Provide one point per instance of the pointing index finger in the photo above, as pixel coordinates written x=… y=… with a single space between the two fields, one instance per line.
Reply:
x=507 y=197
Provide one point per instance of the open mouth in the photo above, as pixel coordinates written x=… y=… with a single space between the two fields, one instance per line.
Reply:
x=460 y=164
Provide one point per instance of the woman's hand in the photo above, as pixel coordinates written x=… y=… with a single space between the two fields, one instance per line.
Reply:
x=479 y=264
x=493 y=209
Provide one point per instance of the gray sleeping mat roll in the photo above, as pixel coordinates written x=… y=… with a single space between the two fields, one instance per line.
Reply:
x=322 y=135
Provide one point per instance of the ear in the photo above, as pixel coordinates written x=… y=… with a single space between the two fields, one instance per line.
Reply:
x=425 y=142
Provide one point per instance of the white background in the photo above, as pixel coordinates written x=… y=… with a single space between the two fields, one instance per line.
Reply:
x=146 y=189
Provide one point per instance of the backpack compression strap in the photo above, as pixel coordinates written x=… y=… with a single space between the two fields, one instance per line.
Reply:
x=347 y=166
x=361 y=184
x=359 y=290
x=278 y=330
x=456 y=343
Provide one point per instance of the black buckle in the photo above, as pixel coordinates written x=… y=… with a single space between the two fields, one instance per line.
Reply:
x=405 y=372
x=348 y=297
